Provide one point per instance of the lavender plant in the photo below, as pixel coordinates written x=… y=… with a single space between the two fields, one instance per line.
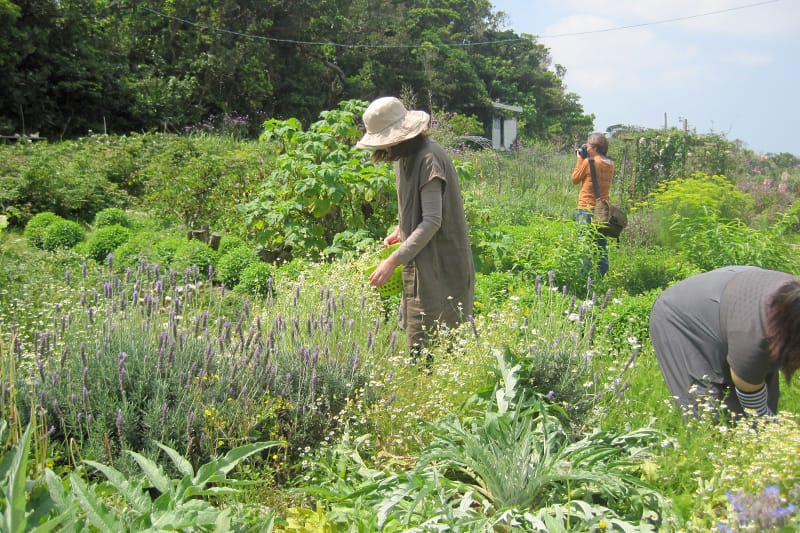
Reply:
x=155 y=355
x=764 y=511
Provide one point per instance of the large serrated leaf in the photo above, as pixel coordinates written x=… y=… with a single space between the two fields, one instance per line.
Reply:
x=96 y=513
x=217 y=469
x=14 y=516
x=132 y=492
x=153 y=473
x=183 y=465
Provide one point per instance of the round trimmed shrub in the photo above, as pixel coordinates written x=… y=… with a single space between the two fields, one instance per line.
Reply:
x=195 y=253
x=228 y=243
x=232 y=264
x=165 y=251
x=105 y=240
x=62 y=234
x=132 y=252
x=35 y=228
x=111 y=216
x=255 y=279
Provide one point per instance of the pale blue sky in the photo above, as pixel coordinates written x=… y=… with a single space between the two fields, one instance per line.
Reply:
x=727 y=66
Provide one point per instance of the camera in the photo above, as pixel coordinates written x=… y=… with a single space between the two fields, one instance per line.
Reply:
x=583 y=151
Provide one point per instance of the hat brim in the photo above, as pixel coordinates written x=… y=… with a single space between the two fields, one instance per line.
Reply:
x=414 y=123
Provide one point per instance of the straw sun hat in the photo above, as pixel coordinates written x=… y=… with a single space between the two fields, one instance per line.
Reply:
x=388 y=123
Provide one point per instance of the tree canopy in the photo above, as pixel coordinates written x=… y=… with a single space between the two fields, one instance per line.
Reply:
x=135 y=65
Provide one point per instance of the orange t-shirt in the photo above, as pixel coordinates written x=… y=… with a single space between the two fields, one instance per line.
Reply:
x=604 y=168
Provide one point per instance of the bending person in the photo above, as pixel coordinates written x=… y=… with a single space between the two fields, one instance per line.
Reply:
x=724 y=336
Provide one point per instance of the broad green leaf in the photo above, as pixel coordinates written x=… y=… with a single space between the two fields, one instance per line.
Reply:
x=132 y=492
x=65 y=522
x=94 y=509
x=153 y=473
x=60 y=496
x=217 y=469
x=184 y=466
x=14 y=516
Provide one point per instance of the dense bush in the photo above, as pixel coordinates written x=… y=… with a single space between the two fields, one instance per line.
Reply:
x=111 y=216
x=139 y=247
x=699 y=197
x=194 y=254
x=319 y=186
x=199 y=180
x=166 y=250
x=256 y=278
x=62 y=234
x=637 y=270
x=36 y=227
x=60 y=178
x=105 y=240
x=228 y=243
x=232 y=264
x=542 y=247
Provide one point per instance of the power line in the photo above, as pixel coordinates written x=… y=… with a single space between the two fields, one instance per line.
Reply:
x=452 y=45
x=653 y=23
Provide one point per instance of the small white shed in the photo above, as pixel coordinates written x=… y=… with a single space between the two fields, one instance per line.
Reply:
x=504 y=126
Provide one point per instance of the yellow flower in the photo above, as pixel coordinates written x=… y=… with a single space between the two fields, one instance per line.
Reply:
x=602 y=525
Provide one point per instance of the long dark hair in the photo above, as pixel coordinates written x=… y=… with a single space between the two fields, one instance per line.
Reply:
x=783 y=328
x=399 y=150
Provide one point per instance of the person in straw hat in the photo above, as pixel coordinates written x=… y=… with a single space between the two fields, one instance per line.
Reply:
x=438 y=272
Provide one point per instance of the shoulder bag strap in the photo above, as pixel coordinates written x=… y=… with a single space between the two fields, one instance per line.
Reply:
x=595 y=186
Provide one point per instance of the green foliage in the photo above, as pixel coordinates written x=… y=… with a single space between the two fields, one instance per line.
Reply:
x=111 y=216
x=198 y=180
x=789 y=223
x=256 y=278
x=165 y=251
x=701 y=196
x=233 y=263
x=35 y=229
x=62 y=234
x=320 y=186
x=507 y=460
x=712 y=244
x=228 y=243
x=543 y=246
x=640 y=269
x=26 y=502
x=139 y=247
x=195 y=256
x=105 y=239
x=661 y=155
x=149 y=358
x=187 y=502
x=60 y=178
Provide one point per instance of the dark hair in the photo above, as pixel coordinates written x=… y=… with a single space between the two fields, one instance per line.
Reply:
x=399 y=150
x=783 y=328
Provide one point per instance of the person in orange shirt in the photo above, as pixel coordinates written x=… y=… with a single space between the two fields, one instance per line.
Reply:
x=596 y=148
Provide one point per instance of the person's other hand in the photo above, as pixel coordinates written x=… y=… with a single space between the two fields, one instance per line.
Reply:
x=391 y=239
